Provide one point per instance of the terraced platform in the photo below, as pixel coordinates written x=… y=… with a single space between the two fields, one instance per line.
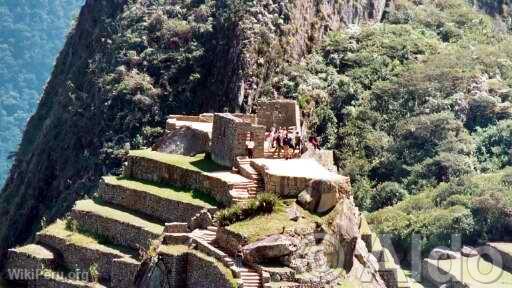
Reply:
x=121 y=228
x=79 y=251
x=162 y=202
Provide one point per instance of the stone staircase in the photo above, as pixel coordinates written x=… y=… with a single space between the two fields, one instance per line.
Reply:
x=255 y=184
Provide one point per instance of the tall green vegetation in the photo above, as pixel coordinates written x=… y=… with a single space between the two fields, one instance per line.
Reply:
x=416 y=108
x=31 y=34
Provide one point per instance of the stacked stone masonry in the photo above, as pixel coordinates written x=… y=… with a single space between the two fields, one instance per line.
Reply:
x=82 y=257
x=278 y=113
x=229 y=137
x=164 y=209
x=117 y=231
x=164 y=173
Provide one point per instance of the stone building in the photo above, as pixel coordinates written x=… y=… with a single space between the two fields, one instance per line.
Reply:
x=229 y=137
x=278 y=113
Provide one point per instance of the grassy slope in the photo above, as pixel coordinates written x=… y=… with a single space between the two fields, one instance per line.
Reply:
x=196 y=163
x=264 y=225
x=107 y=212
x=182 y=195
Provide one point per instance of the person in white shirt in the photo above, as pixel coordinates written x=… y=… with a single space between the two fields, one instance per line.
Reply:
x=250 y=147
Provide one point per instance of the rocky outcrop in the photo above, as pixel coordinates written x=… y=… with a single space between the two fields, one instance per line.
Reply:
x=184 y=140
x=443 y=254
x=270 y=248
x=321 y=196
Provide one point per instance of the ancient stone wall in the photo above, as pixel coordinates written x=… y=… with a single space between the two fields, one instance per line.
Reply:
x=205 y=118
x=125 y=234
x=124 y=271
x=189 y=268
x=229 y=241
x=77 y=257
x=165 y=209
x=205 y=272
x=229 y=138
x=278 y=113
x=175 y=267
x=164 y=173
x=20 y=260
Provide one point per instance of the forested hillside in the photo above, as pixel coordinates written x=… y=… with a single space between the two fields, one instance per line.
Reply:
x=31 y=34
x=418 y=108
x=419 y=112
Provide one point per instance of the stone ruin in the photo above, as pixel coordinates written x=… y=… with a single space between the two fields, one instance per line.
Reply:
x=229 y=138
x=224 y=135
x=278 y=113
x=136 y=232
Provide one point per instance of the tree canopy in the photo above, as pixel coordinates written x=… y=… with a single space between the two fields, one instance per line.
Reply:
x=32 y=33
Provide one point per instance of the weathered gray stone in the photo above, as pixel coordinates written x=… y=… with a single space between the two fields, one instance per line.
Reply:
x=184 y=140
x=293 y=213
x=468 y=251
x=443 y=254
x=272 y=247
x=321 y=196
x=201 y=220
x=176 y=227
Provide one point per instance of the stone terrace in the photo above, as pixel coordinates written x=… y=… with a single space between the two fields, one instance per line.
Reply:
x=130 y=212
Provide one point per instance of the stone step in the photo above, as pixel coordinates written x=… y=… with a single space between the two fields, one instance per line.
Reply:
x=116 y=226
x=79 y=251
x=205 y=235
x=163 y=203
x=24 y=263
x=212 y=228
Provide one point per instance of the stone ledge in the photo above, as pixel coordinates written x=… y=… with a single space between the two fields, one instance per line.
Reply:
x=153 y=170
x=79 y=251
x=142 y=199
x=31 y=258
x=119 y=227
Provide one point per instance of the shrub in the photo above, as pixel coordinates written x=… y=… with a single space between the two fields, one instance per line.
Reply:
x=387 y=194
x=71 y=224
x=264 y=203
x=507 y=178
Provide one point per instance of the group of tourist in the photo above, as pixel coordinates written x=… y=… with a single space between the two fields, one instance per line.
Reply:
x=283 y=143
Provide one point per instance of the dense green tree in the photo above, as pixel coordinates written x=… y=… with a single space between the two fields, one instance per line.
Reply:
x=31 y=34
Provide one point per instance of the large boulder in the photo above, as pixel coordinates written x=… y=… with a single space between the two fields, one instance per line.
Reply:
x=184 y=140
x=322 y=195
x=201 y=220
x=272 y=247
x=443 y=254
x=468 y=251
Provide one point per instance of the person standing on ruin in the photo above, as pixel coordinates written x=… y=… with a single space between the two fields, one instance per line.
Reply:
x=250 y=147
x=278 y=142
x=287 y=145
x=297 y=143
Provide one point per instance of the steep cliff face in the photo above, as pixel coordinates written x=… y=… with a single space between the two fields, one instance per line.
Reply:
x=128 y=64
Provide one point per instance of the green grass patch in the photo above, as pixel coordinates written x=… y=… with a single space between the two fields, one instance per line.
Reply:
x=196 y=163
x=165 y=191
x=264 y=225
x=118 y=215
x=74 y=236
